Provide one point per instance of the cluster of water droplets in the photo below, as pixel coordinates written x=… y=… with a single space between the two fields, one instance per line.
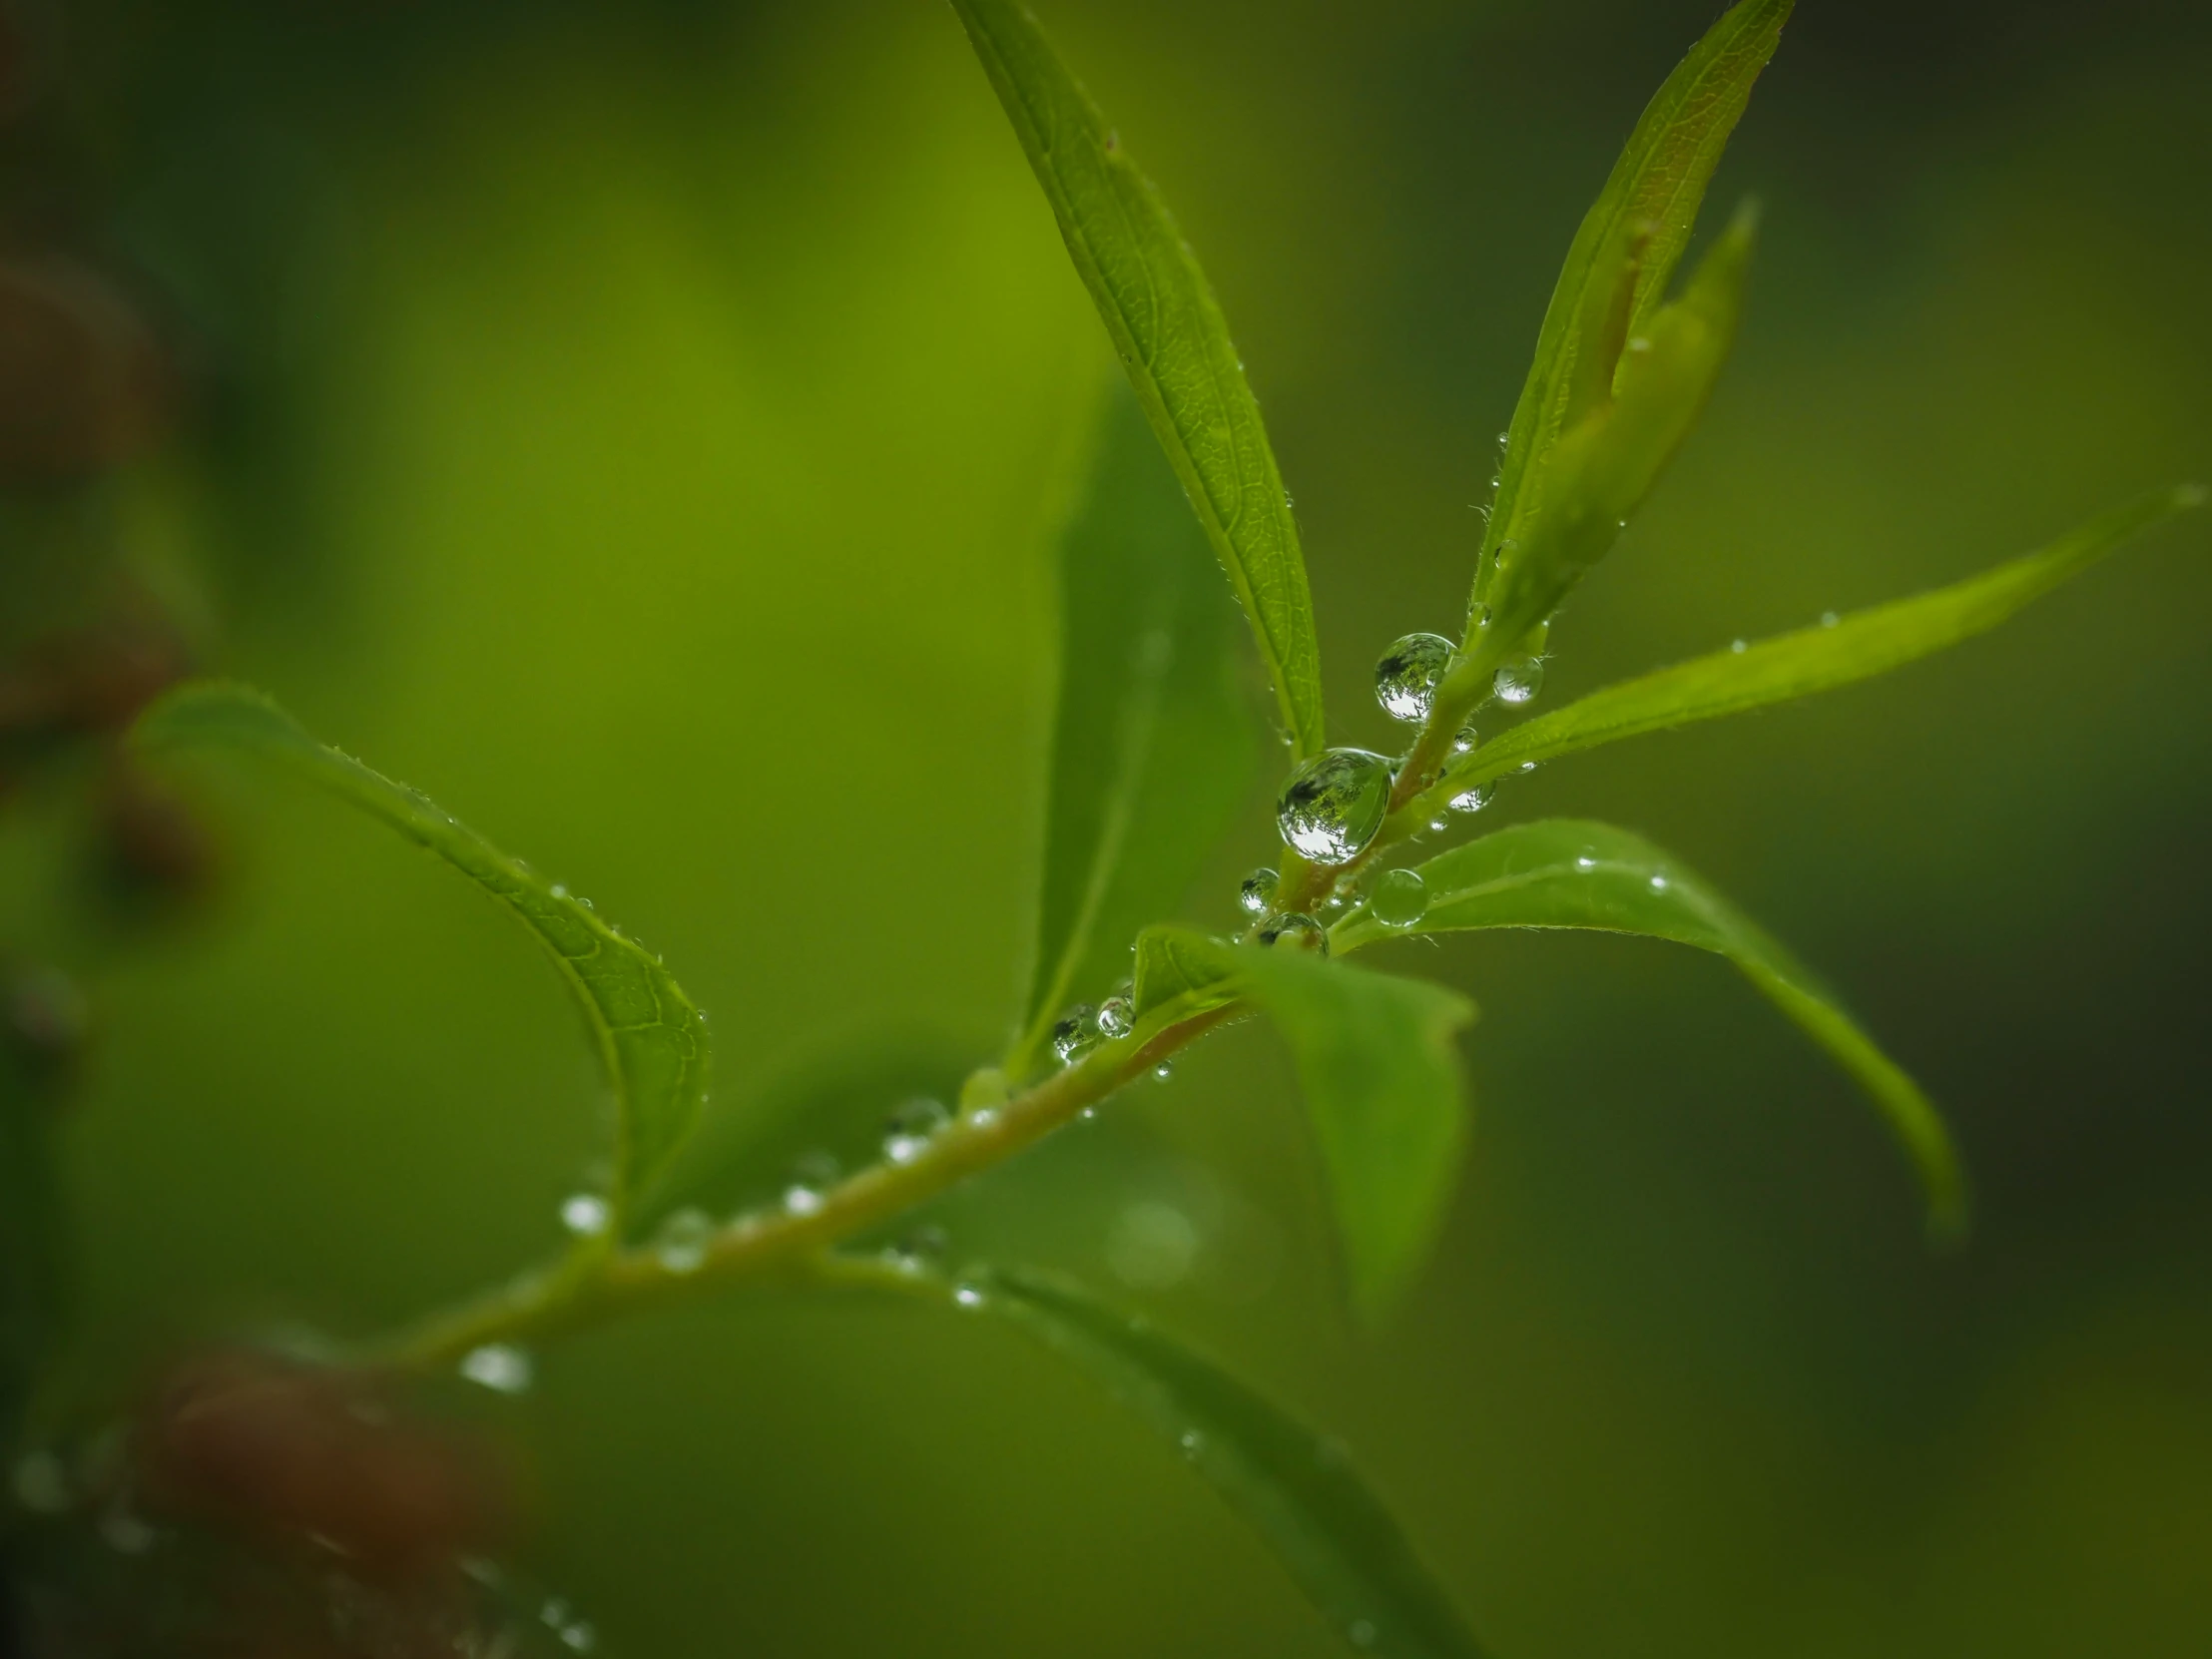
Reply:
x=1084 y=1027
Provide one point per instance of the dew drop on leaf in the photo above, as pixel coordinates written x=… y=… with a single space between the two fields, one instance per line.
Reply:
x=1519 y=678
x=1334 y=805
x=1475 y=799
x=1658 y=883
x=1738 y=646
x=679 y=1244
x=968 y=1294
x=584 y=1214
x=500 y=1366
x=1301 y=932
x=907 y=1133
x=1164 y=1070
x=1407 y=677
x=1075 y=1033
x=1463 y=742
x=1400 y=898
x=1255 y=897
x=1115 y=1016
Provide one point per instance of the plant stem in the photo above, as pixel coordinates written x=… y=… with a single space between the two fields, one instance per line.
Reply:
x=600 y=1282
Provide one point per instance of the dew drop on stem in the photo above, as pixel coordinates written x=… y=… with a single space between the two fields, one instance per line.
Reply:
x=680 y=1243
x=1295 y=931
x=1400 y=898
x=911 y=1128
x=1406 y=676
x=1518 y=680
x=584 y=1214
x=1116 y=1016
x=1075 y=1033
x=1255 y=895
x=1332 y=806
x=1473 y=800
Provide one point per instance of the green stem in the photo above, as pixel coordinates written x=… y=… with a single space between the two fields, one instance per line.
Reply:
x=597 y=1282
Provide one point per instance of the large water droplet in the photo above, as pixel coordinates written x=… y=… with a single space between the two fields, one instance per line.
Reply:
x=907 y=1133
x=1116 y=1015
x=1297 y=932
x=1333 y=803
x=680 y=1243
x=1519 y=678
x=1400 y=898
x=1475 y=799
x=1406 y=678
x=584 y=1214
x=1256 y=896
x=500 y=1366
x=1075 y=1033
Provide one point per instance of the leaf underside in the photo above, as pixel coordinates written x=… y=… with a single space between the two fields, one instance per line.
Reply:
x=1169 y=331
x=1567 y=872
x=1656 y=185
x=1297 y=1490
x=1789 y=666
x=1153 y=749
x=650 y=1038
x=1380 y=1073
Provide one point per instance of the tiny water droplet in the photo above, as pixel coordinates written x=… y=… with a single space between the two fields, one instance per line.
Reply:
x=1437 y=826
x=1658 y=883
x=1192 y=1443
x=1332 y=806
x=1585 y=863
x=500 y=1366
x=1115 y=1016
x=916 y=1251
x=1475 y=799
x=968 y=1294
x=1164 y=1070
x=1519 y=680
x=584 y=1214
x=1301 y=932
x=560 y=889
x=1463 y=742
x=1738 y=646
x=1256 y=893
x=1829 y=619
x=1075 y=1033
x=1478 y=617
x=802 y=1200
x=1400 y=898
x=911 y=1128
x=983 y=1116
x=680 y=1243
x=1406 y=676
x=1088 y=1113
x=1528 y=766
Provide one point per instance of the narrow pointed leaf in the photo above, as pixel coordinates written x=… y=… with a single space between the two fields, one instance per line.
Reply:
x=650 y=1038
x=1174 y=965
x=1295 y=1488
x=1170 y=335
x=1566 y=872
x=1379 y=1071
x=1855 y=646
x=1152 y=746
x=1651 y=200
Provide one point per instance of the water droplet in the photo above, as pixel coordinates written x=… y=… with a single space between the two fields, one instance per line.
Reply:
x=1115 y=1016
x=1658 y=883
x=1528 y=766
x=1437 y=826
x=680 y=1243
x=579 y=1637
x=500 y=1366
x=1400 y=898
x=584 y=1214
x=1738 y=646
x=1519 y=678
x=1333 y=803
x=1639 y=343
x=1075 y=1033
x=801 y=1199
x=1475 y=799
x=1255 y=895
x=1407 y=677
x=1361 y=1632
x=1164 y=1070
x=1829 y=619
x=908 y=1131
x=916 y=1251
x=560 y=889
x=1478 y=617
x=1464 y=741
x=1585 y=863
x=41 y=1483
x=968 y=1294
x=1192 y=1443
x=1302 y=932
x=983 y=1117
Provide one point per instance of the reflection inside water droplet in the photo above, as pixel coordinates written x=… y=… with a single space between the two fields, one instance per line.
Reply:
x=1407 y=677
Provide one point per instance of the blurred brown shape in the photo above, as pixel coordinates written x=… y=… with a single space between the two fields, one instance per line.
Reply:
x=91 y=678
x=155 y=845
x=299 y=1460
x=84 y=382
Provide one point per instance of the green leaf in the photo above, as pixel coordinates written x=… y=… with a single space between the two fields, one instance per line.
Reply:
x=1814 y=659
x=1617 y=270
x=1152 y=746
x=650 y=1038
x=1566 y=872
x=1295 y=1488
x=1380 y=1075
x=1176 y=966
x=1168 y=329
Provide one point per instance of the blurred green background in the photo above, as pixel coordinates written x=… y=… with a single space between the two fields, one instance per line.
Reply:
x=634 y=425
